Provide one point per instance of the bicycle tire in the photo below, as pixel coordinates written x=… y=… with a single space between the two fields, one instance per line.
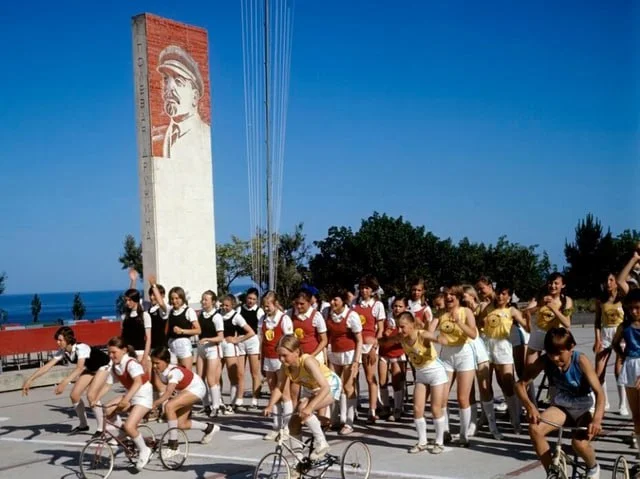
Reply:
x=92 y=457
x=360 y=465
x=148 y=435
x=620 y=468
x=275 y=466
x=173 y=458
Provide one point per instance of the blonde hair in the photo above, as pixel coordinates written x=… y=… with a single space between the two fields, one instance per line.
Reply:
x=290 y=342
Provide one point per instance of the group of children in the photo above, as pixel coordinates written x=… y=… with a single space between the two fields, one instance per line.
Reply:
x=312 y=353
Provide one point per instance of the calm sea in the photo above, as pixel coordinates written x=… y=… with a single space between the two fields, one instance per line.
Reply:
x=57 y=306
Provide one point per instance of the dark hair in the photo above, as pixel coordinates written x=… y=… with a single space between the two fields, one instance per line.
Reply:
x=160 y=288
x=232 y=298
x=162 y=353
x=211 y=294
x=303 y=294
x=500 y=287
x=545 y=289
x=370 y=281
x=484 y=280
x=558 y=339
x=134 y=295
x=633 y=296
x=118 y=342
x=341 y=293
x=67 y=334
x=604 y=294
x=402 y=298
x=252 y=291
x=456 y=290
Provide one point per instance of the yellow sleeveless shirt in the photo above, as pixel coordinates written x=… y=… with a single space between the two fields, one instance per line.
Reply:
x=419 y=355
x=546 y=319
x=498 y=322
x=452 y=331
x=612 y=314
x=304 y=377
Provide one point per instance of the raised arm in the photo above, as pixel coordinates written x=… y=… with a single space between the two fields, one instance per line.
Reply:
x=626 y=271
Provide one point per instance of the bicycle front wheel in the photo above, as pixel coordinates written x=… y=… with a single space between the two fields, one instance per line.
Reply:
x=620 y=468
x=273 y=466
x=355 y=461
x=174 y=452
x=96 y=460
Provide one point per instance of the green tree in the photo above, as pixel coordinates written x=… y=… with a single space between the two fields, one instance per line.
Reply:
x=36 y=307
x=623 y=246
x=78 y=310
x=589 y=258
x=3 y=282
x=233 y=261
x=132 y=254
x=120 y=305
x=292 y=261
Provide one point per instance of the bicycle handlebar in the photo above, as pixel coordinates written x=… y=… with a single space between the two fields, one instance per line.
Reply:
x=560 y=426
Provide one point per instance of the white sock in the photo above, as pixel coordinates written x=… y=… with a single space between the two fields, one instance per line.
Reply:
x=276 y=410
x=606 y=394
x=98 y=412
x=216 y=397
x=287 y=411
x=351 y=410
x=439 y=424
x=198 y=425
x=622 y=397
x=384 y=395
x=316 y=429
x=398 y=399
x=81 y=412
x=343 y=408
x=465 y=420
x=445 y=415
x=421 y=427
x=140 y=444
x=487 y=407
x=232 y=394
x=514 y=410
x=173 y=435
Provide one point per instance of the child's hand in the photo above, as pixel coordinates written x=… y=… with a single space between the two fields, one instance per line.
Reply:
x=534 y=415
x=548 y=300
x=133 y=274
x=597 y=347
x=595 y=427
x=152 y=279
x=266 y=412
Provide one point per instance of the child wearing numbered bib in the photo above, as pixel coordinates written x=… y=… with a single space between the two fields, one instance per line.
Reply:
x=498 y=319
x=629 y=333
x=393 y=361
x=345 y=338
x=418 y=305
x=209 y=360
x=275 y=326
x=573 y=378
x=189 y=389
x=418 y=346
x=609 y=315
x=320 y=387
x=457 y=328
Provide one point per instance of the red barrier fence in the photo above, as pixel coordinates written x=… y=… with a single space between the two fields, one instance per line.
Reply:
x=35 y=340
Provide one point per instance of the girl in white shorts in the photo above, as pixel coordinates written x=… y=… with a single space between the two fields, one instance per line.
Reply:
x=190 y=389
x=236 y=330
x=250 y=348
x=498 y=320
x=182 y=326
x=394 y=361
x=275 y=325
x=418 y=345
x=457 y=327
x=320 y=387
x=609 y=315
x=138 y=400
x=209 y=360
x=345 y=337
x=629 y=333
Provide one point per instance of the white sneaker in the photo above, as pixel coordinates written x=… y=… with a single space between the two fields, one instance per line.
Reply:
x=319 y=451
x=169 y=453
x=607 y=406
x=143 y=459
x=271 y=436
x=624 y=411
x=209 y=433
x=471 y=430
x=594 y=472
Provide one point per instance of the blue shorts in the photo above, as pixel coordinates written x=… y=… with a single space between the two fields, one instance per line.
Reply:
x=335 y=388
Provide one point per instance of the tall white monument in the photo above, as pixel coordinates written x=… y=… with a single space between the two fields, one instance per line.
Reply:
x=173 y=117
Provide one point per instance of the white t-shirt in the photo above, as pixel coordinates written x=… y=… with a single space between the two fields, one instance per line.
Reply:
x=353 y=319
x=134 y=368
x=191 y=314
x=279 y=318
x=78 y=351
x=164 y=314
x=171 y=375
x=237 y=320
x=317 y=320
x=415 y=306
x=146 y=318
x=378 y=308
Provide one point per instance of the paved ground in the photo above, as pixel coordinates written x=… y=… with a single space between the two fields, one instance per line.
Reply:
x=34 y=444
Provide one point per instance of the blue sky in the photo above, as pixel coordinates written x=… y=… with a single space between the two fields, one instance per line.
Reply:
x=474 y=119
